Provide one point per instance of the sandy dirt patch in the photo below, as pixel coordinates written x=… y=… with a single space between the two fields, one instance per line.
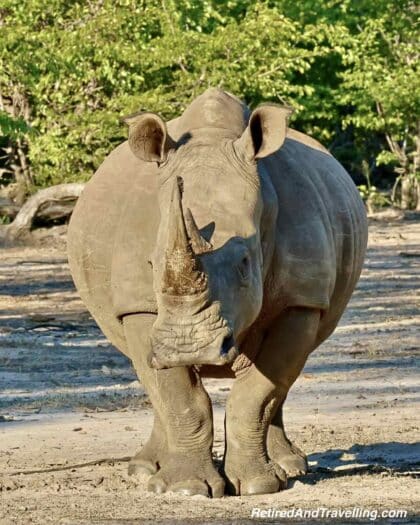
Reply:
x=69 y=402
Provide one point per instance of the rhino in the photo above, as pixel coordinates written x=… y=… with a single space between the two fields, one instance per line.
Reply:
x=220 y=244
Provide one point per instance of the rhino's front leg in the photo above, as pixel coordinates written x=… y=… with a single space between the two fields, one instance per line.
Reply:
x=149 y=458
x=255 y=397
x=282 y=451
x=183 y=407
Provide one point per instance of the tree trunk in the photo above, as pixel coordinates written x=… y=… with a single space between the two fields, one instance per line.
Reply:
x=405 y=192
x=56 y=201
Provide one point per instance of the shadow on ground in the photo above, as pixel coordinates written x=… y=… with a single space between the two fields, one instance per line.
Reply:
x=393 y=457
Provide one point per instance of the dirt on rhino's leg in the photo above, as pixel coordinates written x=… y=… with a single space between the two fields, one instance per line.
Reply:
x=281 y=450
x=184 y=409
x=255 y=398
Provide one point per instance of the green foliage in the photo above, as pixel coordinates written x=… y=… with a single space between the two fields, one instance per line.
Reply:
x=12 y=127
x=4 y=220
x=381 y=81
x=371 y=195
x=71 y=69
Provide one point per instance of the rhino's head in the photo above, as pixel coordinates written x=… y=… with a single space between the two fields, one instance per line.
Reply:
x=216 y=233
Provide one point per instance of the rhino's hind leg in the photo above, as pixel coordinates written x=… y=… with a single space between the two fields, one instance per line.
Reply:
x=282 y=451
x=148 y=460
x=255 y=398
x=184 y=410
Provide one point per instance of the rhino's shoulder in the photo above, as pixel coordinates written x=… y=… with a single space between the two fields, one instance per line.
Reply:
x=319 y=213
x=111 y=234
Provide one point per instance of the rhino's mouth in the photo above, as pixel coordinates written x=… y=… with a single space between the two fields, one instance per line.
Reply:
x=171 y=347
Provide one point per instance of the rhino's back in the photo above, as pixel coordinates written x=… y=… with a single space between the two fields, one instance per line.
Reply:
x=109 y=258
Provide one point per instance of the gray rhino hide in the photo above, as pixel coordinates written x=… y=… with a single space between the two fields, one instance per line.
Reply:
x=114 y=226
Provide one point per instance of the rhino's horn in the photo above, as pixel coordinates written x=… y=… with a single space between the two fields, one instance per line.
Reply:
x=198 y=242
x=182 y=274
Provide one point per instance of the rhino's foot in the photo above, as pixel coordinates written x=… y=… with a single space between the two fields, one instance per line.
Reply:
x=188 y=475
x=285 y=454
x=250 y=475
x=147 y=461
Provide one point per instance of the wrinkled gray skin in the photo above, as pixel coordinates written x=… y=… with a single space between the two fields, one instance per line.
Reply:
x=224 y=245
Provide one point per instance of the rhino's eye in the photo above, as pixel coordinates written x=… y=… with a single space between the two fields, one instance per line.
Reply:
x=244 y=269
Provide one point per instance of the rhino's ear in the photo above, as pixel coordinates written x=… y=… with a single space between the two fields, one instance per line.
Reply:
x=265 y=133
x=148 y=137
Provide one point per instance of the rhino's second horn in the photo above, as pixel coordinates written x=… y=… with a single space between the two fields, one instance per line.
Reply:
x=198 y=242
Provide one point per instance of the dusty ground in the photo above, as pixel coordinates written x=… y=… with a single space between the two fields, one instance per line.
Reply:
x=68 y=398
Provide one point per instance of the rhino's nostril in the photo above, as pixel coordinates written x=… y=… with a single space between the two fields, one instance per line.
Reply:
x=228 y=343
